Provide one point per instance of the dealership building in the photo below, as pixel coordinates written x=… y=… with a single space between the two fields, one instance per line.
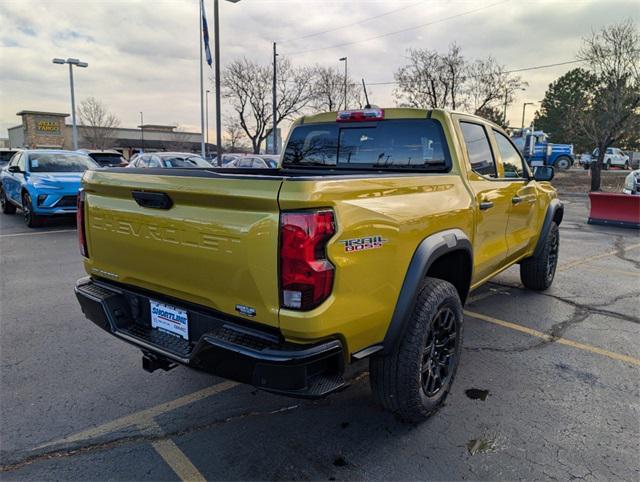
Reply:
x=49 y=130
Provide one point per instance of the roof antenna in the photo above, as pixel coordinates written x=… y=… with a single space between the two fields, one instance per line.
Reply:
x=364 y=87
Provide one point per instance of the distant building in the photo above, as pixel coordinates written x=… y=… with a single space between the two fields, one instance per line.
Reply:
x=49 y=130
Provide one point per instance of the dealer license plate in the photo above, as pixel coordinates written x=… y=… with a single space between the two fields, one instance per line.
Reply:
x=169 y=319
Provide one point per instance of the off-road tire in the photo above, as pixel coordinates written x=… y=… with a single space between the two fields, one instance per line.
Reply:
x=397 y=378
x=7 y=206
x=30 y=219
x=537 y=272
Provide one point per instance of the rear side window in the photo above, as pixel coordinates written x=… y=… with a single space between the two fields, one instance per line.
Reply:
x=478 y=149
x=393 y=144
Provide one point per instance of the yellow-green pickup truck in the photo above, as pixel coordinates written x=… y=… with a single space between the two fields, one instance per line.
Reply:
x=364 y=243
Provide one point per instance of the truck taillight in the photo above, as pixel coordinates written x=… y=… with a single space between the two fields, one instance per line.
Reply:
x=82 y=234
x=306 y=275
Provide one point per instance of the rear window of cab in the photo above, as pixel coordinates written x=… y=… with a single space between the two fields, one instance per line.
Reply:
x=411 y=144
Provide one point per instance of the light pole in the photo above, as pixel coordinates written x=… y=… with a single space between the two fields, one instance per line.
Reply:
x=274 y=107
x=141 y=132
x=344 y=59
x=216 y=27
x=206 y=102
x=71 y=63
x=506 y=101
x=524 y=107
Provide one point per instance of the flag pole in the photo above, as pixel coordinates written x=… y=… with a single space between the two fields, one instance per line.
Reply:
x=200 y=33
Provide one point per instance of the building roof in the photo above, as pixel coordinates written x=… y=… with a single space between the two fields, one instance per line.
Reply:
x=38 y=112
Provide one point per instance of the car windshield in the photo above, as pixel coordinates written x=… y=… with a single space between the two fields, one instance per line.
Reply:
x=59 y=162
x=5 y=157
x=106 y=158
x=185 y=161
x=392 y=144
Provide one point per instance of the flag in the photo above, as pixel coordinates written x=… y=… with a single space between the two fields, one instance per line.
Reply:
x=205 y=34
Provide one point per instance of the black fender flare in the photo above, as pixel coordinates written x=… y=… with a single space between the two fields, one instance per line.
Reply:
x=555 y=212
x=429 y=250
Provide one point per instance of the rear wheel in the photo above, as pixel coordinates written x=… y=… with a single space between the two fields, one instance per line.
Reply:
x=7 y=206
x=537 y=272
x=414 y=380
x=32 y=220
x=626 y=165
x=606 y=165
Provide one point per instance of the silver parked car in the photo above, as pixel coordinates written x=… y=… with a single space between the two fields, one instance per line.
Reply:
x=168 y=160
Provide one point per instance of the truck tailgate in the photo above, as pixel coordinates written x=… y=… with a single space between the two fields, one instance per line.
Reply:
x=215 y=246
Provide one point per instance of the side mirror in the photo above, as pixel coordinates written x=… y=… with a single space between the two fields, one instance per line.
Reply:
x=14 y=169
x=543 y=173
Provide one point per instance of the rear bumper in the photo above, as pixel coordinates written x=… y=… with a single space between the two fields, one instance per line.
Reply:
x=217 y=343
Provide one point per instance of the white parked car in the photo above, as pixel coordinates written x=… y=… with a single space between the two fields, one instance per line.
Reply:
x=612 y=157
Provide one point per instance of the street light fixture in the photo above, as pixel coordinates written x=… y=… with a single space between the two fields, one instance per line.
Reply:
x=344 y=59
x=71 y=63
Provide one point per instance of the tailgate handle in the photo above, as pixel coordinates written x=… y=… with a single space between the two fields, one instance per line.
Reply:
x=154 y=200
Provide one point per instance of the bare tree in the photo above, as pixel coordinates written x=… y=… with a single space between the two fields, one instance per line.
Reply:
x=97 y=124
x=327 y=91
x=430 y=79
x=248 y=86
x=235 y=137
x=488 y=86
x=612 y=113
x=434 y=80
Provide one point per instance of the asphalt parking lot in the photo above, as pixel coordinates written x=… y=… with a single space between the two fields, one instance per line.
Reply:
x=548 y=386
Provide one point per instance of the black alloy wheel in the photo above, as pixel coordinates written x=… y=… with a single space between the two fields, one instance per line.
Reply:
x=439 y=354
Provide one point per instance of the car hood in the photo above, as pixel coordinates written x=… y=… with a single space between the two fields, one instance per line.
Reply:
x=66 y=179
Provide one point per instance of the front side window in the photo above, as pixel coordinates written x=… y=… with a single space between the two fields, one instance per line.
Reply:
x=478 y=149
x=393 y=144
x=59 y=162
x=511 y=160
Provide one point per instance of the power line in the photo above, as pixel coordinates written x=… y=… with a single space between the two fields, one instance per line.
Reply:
x=350 y=24
x=513 y=71
x=415 y=27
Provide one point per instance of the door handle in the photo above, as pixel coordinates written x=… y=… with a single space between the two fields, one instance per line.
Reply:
x=516 y=199
x=485 y=205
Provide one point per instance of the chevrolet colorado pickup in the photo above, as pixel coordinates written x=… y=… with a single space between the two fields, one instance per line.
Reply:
x=365 y=243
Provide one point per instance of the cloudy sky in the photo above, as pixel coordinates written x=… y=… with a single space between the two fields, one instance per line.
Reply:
x=143 y=54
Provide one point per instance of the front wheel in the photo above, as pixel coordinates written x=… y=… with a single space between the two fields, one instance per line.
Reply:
x=537 y=272
x=626 y=165
x=31 y=219
x=414 y=380
x=563 y=163
x=7 y=206
x=606 y=165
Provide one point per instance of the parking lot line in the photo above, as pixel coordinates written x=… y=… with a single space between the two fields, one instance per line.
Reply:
x=173 y=456
x=36 y=233
x=143 y=417
x=559 y=340
x=588 y=259
x=611 y=270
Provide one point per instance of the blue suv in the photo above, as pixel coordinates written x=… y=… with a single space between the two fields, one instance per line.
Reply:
x=42 y=183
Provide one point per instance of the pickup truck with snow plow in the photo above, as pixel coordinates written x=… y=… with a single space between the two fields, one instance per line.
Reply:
x=365 y=243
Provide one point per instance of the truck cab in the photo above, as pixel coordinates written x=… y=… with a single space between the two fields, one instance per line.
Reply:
x=543 y=152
